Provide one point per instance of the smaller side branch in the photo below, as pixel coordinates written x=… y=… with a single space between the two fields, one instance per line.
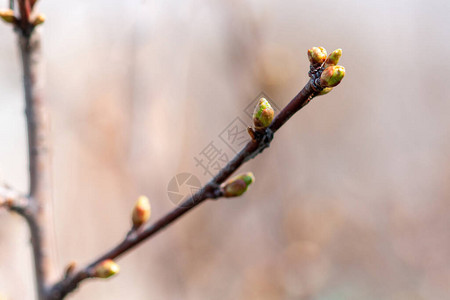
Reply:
x=13 y=200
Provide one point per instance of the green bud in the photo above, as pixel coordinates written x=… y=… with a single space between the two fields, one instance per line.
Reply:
x=7 y=15
x=325 y=91
x=317 y=55
x=106 y=269
x=40 y=19
x=263 y=114
x=331 y=76
x=333 y=58
x=238 y=185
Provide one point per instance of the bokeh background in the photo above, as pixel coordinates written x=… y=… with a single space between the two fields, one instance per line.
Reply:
x=351 y=201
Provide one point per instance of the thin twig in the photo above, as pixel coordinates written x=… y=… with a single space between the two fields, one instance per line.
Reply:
x=39 y=158
x=34 y=206
x=12 y=199
x=210 y=191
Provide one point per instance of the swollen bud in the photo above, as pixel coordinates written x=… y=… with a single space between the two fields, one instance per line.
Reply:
x=238 y=185
x=333 y=58
x=7 y=15
x=106 y=268
x=317 y=55
x=141 y=212
x=263 y=114
x=39 y=20
x=331 y=76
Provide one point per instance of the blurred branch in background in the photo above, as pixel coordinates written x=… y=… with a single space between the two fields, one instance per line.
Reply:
x=39 y=196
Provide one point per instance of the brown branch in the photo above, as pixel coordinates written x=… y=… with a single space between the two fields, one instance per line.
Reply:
x=38 y=149
x=32 y=207
x=210 y=191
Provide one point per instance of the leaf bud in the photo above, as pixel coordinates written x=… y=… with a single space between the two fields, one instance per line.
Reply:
x=238 y=185
x=263 y=114
x=106 y=269
x=333 y=58
x=317 y=55
x=7 y=15
x=141 y=212
x=39 y=20
x=332 y=76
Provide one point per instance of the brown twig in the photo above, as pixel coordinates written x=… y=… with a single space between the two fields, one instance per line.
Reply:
x=39 y=159
x=210 y=191
x=39 y=168
x=38 y=149
x=32 y=207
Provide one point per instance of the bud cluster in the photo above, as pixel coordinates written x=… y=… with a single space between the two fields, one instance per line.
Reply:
x=325 y=71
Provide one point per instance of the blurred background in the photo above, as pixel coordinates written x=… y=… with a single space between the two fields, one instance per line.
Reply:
x=351 y=201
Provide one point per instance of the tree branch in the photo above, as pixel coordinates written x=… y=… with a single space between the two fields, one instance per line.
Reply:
x=38 y=153
x=33 y=207
x=38 y=150
x=210 y=191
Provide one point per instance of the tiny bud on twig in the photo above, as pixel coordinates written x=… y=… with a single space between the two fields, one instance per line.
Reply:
x=332 y=76
x=141 y=212
x=238 y=185
x=39 y=20
x=106 y=269
x=263 y=114
x=333 y=58
x=317 y=55
x=69 y=269
x=8 y=16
